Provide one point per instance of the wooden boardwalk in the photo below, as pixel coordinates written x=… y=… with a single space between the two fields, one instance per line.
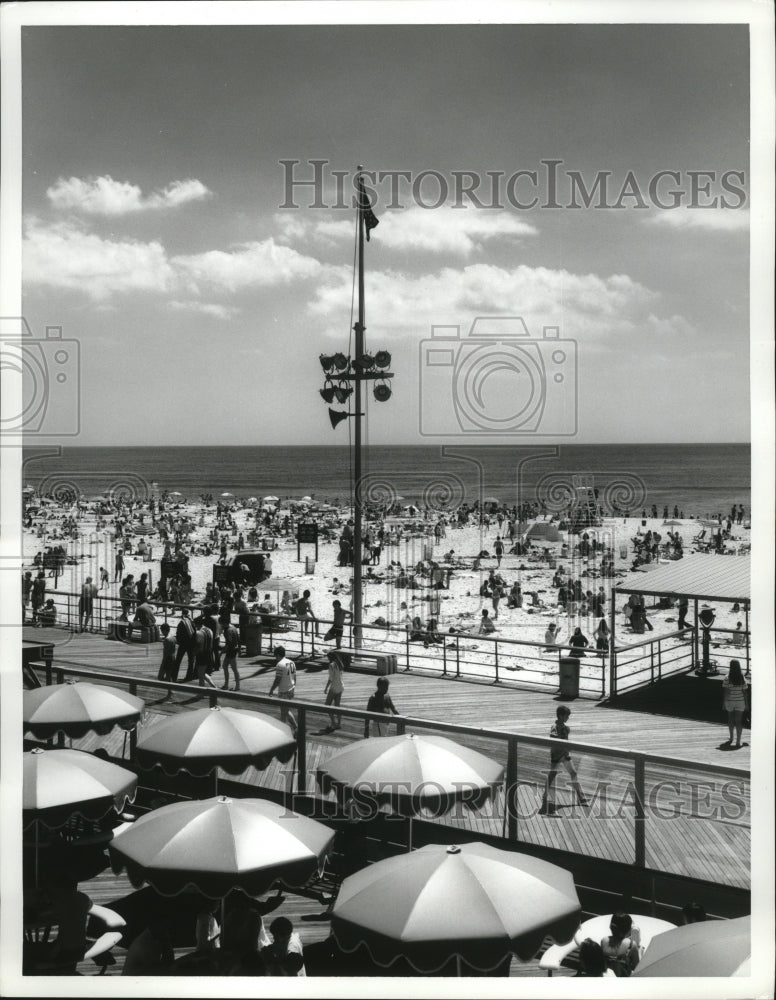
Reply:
x=703 y=837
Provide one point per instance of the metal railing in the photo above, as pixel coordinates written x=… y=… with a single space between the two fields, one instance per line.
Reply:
x=465 y=655
x=635 y=665
x=642 y=778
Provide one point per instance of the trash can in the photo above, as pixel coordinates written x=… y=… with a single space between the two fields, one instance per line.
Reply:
x=309 y=564
x=252 y=639
x=568 y=677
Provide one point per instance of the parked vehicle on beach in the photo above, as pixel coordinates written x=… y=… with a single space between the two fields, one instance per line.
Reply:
x=248 y=567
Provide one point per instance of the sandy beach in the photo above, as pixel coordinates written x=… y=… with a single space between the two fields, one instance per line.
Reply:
x=87 y=530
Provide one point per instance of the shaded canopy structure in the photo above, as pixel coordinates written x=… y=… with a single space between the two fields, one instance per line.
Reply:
x=705 y=577
x=544 y=531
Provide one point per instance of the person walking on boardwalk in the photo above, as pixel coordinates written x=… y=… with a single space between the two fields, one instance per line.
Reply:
x=340 y=616
x=86 y=604
x=185 y=636
x=203 y=644
x=333 y=691
x=560 y=758
x=26 y=592
x=38 y=596
x=231 y=636
x=734 y=689
x=167 y=666
x=285 y=682
x=380 y=701
x=118 y=566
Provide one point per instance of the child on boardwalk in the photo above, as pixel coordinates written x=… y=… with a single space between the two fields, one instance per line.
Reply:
x=560 y=758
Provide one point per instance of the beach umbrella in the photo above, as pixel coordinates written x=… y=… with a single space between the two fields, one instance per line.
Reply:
x=143 y=529
x=220 y=844
x=472 y=903
x=227 y=494
x=672 y=524
x=270 y=499
x=203 y=740
x=307 y=499
x=76 y=709
x=708 y=948
x=492 y=500
x=413 y=774
x=58 y=784
x=175 y=493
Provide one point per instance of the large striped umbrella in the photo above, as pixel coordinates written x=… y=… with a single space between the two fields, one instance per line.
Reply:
x=76 y=709
x=220 y=844
x=708 y=948
x=474 y=904
x=207 y=738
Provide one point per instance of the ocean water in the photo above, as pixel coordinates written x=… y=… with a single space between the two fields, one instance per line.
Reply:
x=699 y=479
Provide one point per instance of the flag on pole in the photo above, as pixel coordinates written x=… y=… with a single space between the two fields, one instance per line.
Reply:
x=370 y=219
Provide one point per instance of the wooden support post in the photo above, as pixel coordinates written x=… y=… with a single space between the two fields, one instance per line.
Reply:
x=612 y=648
x=301 y=752
x=510 y=786
x=640 y=839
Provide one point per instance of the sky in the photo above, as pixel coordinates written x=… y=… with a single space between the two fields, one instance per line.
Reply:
x=157 y=230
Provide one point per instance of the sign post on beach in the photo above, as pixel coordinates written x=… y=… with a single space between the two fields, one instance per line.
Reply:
x=307 y=534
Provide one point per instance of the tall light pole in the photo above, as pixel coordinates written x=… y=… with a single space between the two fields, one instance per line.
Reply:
x=345 y=376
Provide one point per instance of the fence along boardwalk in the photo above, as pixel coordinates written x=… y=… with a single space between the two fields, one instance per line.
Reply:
x=715 y=848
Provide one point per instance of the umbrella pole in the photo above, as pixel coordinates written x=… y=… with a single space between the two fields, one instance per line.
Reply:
x=36 y=853
x=215 y=781
x=458 y=966
x=409 y=846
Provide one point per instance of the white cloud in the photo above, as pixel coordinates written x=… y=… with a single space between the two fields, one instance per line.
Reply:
x=206 y=308
x=459 y=231
x=449 y=230
x=290 y=227
x=64 y=256
x=583 y=305
x=104 y=196
x=719 y=219
x=258 y=264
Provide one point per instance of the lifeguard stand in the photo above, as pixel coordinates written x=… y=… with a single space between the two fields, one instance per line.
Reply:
x=584 y=511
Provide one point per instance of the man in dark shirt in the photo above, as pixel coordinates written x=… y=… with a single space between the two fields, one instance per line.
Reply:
x=211 y=620
x=185 y=637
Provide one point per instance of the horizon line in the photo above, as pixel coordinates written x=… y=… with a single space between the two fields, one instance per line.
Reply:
x=404 y=444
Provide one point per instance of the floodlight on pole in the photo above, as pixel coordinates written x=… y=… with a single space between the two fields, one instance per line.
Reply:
x=382 y=360
x=382 y=392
